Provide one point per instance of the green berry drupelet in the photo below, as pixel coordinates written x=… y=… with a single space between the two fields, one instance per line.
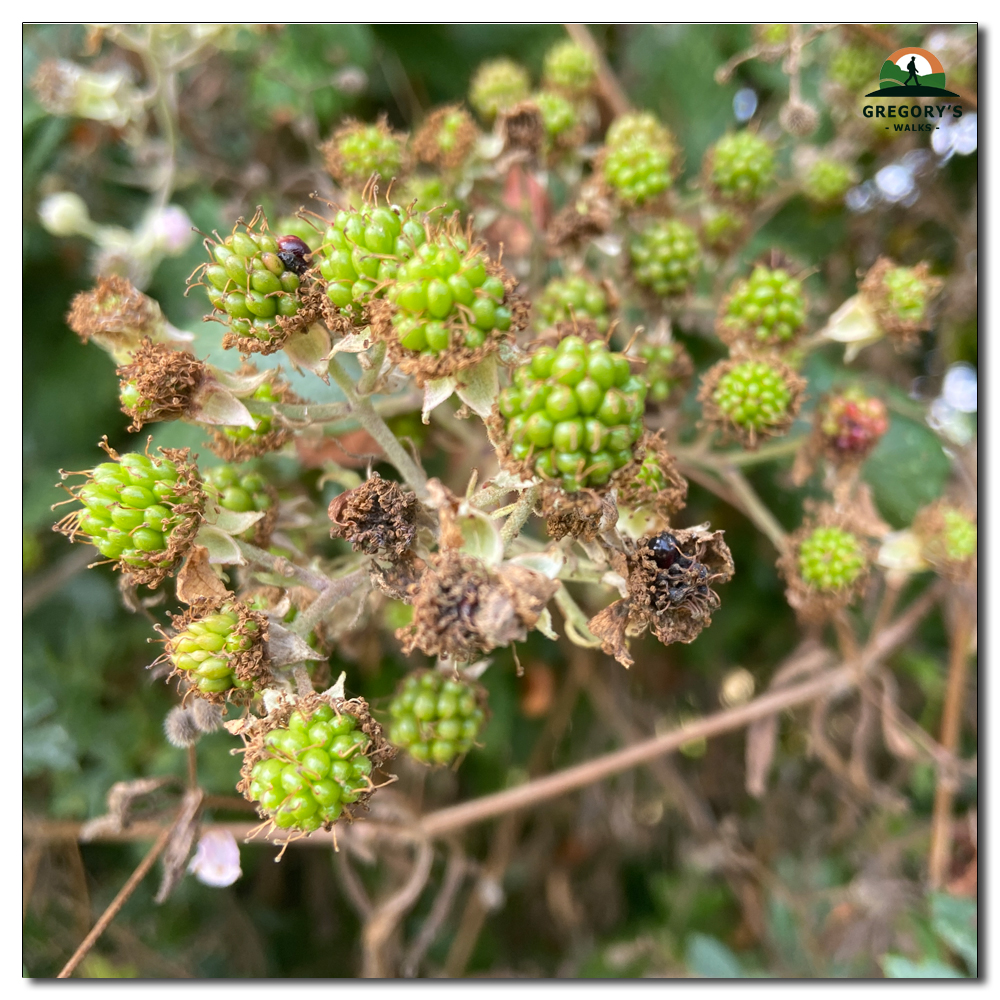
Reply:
x=436 y=718
x=497 y=85
x=139 y=511
x=356 y=152
x=639 y=158
x=665 y=257
x=826 y=181
x=575 y=297
x=741 y=166
x=570 y=69
x=766 y=309
x=830 y=559
x=574 y=413
x=237 y=491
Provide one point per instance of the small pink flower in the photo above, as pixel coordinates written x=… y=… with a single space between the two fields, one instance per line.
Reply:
x=217 y=860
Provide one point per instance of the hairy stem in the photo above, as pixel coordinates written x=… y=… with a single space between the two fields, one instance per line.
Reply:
x=334 y=592
x=519 y=516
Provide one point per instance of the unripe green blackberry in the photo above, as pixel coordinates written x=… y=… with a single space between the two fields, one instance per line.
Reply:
x=569 y=68
x=356 y=151
x=574 y=297
x=446 y=138
x=665 y=257
x=241 y=492
x=253 y=283
x=751 y=398
x=768 y=308
x=741 y=166
x=667 y=366
x=306 y=763
x=237 y=444
x=854 y=66
x=639 y=158
x=361 y=253
x=901 y=297
x=140 y=512
x=830 y=559
x=827 y=180
x=960 y=538
x=437 y=718
x=221 y=651
x=948 y=538
x=574 y=413
x=497 y=85
x=851 y=424
x=723 y=229
x=907 y=294
x=561 y=118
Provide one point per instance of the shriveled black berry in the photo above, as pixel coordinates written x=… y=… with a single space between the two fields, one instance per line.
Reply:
x=666 y=553
x=293 y=253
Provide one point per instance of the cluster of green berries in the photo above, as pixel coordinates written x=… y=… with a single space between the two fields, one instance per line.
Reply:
x=753 y=395
x=452 y=130
x=665 y=257
x=239 y=492
x=907 y=294
x=639 y=158
x=742 y=166
x=852 y=423
x=660 y=360
x=362 y=150
x=435 y=718
x=570 y=298
x=569 y=68
x=826 y=181
x=723 y=228
x=830 y=559
x=314 y=767
x=128 y=509
x=498 y=84
x=853 y=66
x=650 y=472
x=769 y=307
x=251 y=283
x=445 y=297
x=242 y=434
x=361 y=252
x=206 y=648
x=559 y=115
x=574 y=412
x=960 y=537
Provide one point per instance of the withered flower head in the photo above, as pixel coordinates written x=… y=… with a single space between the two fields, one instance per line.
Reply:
x=117 y=315
x=446 y=138
x=158 y=384
x=522 y=129
x=670 y=579
x=378 y=517
x=900 y=297
x=589 y=216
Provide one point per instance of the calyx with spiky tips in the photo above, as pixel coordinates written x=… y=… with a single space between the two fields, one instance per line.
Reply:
x=767 y=309
x=239 y=444
x=159 y=384
x=356 y=151
x=498 y=84
x=254 y=293
x=665 y=257
x=658 y=485
x=309 y=761
x=378 y=517
x=576 y=297
x=573 y=416
x=446 y=138
x=243 y=492
x=948 y=538
x=639 y=159
x=448 y=309
x=825 y=564
x=140 y=512
x=462 y=608
x=740 y=167
x=668 y=367
x=569 y=69
x=670 y=579
x=220 y=649
x=436 y=718
x=750 y=399
x=900 y=297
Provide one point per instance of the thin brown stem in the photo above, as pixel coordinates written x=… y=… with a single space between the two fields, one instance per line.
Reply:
x=454 y=873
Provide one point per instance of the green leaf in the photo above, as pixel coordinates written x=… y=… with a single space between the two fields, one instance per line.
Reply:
x=47 y=748
x=954 y=921
x=708 y=957
x=900 y=967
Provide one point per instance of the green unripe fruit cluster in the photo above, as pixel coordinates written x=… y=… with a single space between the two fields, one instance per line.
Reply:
x=573 y=298
x=660 y=359
x=249 y=282
x=128 y=508
x=742 y=166
x=768 y=307
x=239 y=492
x=723 y=229
x=853 y=66
x=650 y=473
x=574 y=412
x=361 y=252
x=960 y=537
x=559 y=115
x=498 y=84
x=445 y=297
x=753 y=395
x=639 y=158
x=263 y=393
x=315 y=766
x=205 y=650
x=436 y=718
x=826 y=181
x=366 y=150
x=830 y=559
x=907 y=294
x=665 y=257
x=569 y=68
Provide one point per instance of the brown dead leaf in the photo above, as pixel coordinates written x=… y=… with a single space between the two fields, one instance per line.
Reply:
x=197 y=581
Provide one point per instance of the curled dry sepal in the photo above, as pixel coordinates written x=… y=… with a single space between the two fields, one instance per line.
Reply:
x=670 y=577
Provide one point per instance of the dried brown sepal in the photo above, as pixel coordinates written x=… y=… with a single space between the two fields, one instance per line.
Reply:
x=312 y=309
x=252 y=665
x=116 y=311
x=591 y=214
x=377 y=518
x=166 y=381
x=522 y=129
x=810 y=604
x=670 y=589
x=426 y=147
x=930 y=526
x=750 y=437
x=197 y=581
x=253 y=734
x=874 y=290
x=335 y=161
x=398 y=579
x=672 y=495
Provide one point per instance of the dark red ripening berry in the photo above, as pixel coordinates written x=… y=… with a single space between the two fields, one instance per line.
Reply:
x=293 y=253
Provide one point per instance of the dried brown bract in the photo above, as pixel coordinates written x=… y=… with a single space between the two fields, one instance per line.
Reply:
x=378 y=517
x=522 y=129
x=116 y=314
x=166 y=382
x=446 y=138
x=670 y=579
x=590 y=215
